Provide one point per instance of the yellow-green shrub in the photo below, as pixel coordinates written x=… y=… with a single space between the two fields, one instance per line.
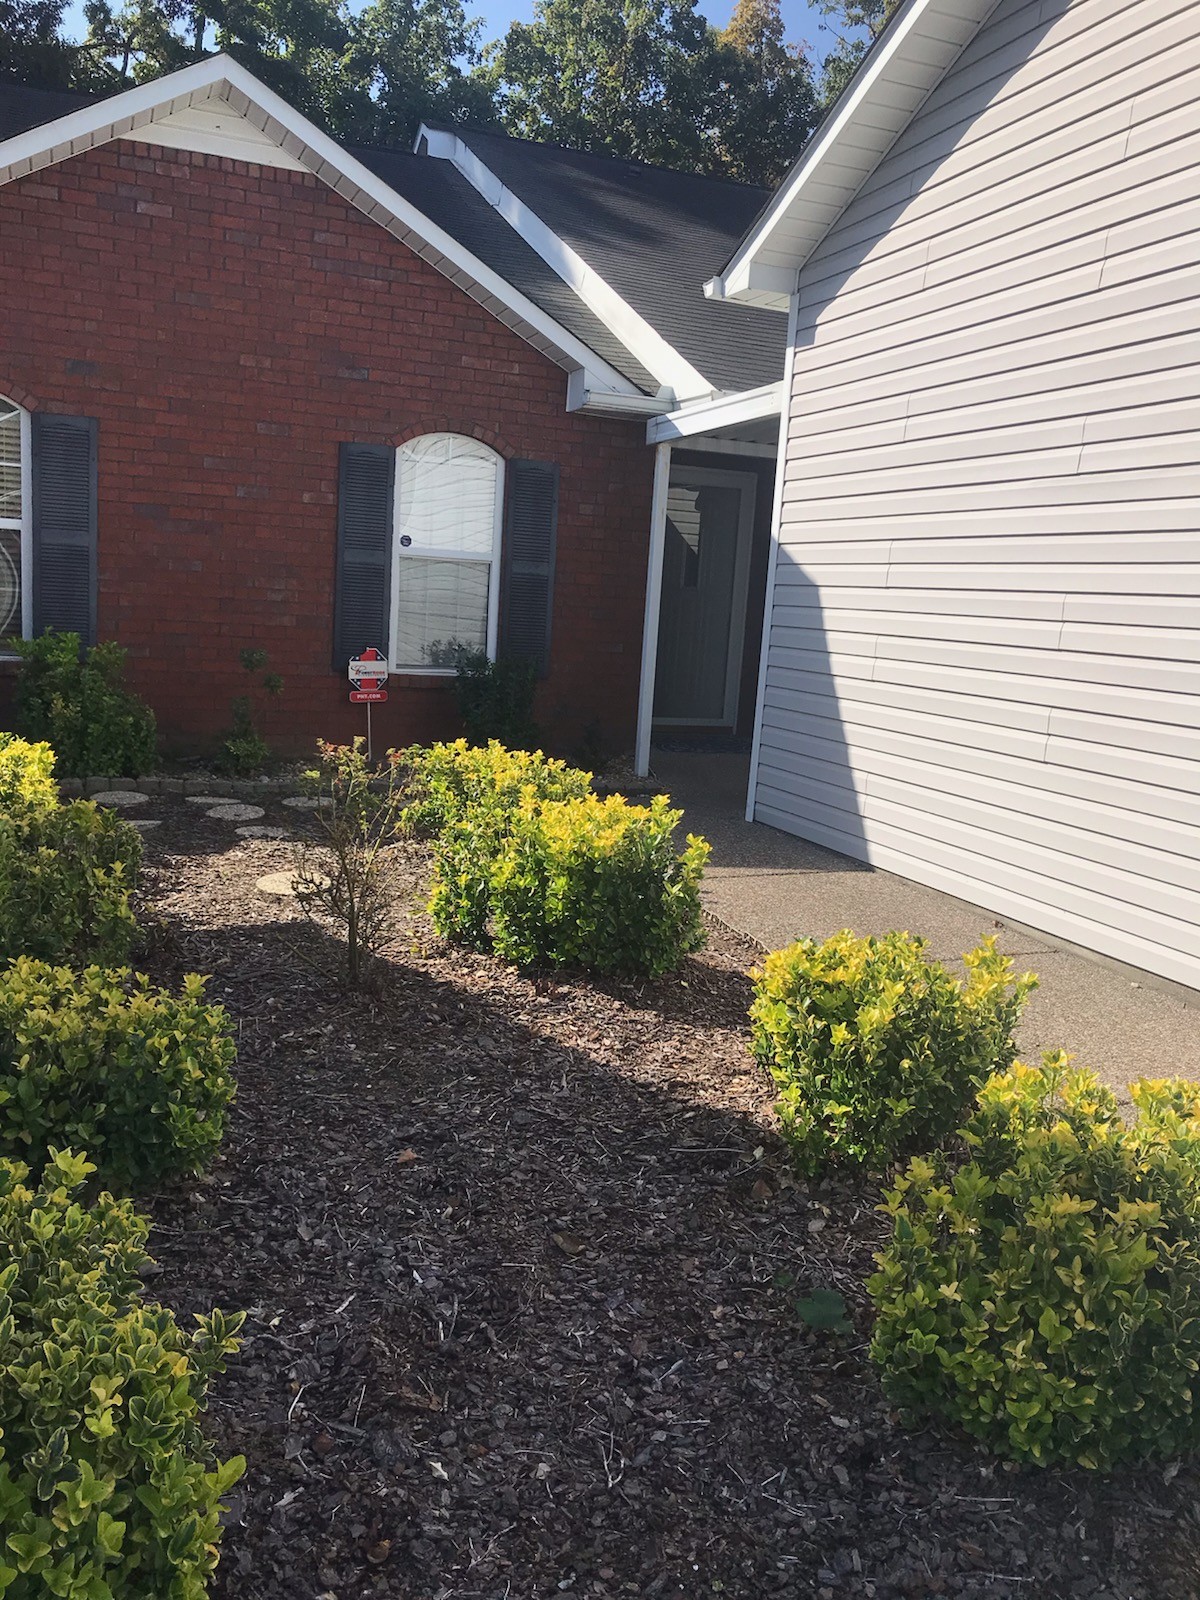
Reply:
x=65 y=877
x=875 y=1048
x=138 y=1077
x=1046 y=1295
x=445 y=782
x=26 y=777
x=108 y=1489
x=599 y=884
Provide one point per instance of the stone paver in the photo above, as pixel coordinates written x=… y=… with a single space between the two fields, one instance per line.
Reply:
x=261 y=831
x=206 y=799
x=282 y=885
x=302 y=802
x=119 y=798
x=144 y=824
x=233 y=811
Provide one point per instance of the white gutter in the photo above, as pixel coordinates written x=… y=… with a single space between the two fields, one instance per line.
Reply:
x=725 y=411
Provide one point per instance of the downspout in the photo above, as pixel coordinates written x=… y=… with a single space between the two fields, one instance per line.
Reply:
x=654 y=573
x=785 y=407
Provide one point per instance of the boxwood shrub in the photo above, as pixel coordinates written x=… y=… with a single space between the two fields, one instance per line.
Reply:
x=26 y=777
x=108 y=1489
x=76 y=700
x=138 y=1077
x=876 y=1049
x=445 y=782
x=1045 y=1296
x=65 y=878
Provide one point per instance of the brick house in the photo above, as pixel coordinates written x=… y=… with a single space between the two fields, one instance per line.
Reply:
x=260 y=389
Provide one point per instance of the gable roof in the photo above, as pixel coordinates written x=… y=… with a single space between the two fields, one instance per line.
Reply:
x=908 y=60
x=652 y=235
x=29 y=142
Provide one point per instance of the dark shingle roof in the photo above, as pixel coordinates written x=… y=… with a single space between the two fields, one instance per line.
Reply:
x=655 y=236
x=23 y=107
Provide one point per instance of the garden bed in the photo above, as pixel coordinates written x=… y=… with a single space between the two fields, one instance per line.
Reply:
x=521 y=1258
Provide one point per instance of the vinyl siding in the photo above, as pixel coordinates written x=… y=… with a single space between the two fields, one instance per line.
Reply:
x=984 y=639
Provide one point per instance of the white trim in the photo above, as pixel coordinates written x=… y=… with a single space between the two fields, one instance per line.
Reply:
x=602 y=403
x=703 y=445
x=221 y=78
x=22 y=523
x=654 y=568
x=642 y=340
x=789 y=365
x=920 y=43
x=723 y=411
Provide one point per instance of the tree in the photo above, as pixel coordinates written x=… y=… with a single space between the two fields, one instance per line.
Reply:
x=631 y=78
x=857 y=24
x=768 y=103
x=32 y=48
x=410 y=55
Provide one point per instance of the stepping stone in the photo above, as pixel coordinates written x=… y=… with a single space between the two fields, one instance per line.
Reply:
x=303 y=802
x=119 y=797
x=231 y=811
x=145 y=823
x=261 y=832
x=282 y=885
x=206 y=799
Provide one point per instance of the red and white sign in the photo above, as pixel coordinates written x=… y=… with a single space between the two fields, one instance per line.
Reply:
x=368 y=673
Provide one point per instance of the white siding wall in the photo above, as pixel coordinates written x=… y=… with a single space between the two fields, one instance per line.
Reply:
x=984 y=667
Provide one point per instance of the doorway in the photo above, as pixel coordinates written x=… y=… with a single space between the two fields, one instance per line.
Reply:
x=702 y=612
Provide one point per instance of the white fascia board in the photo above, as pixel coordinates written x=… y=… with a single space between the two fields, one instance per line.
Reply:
x=921 y=42
x=725 y=411
x=220 y=77
x=582 y=396
x=639 y=337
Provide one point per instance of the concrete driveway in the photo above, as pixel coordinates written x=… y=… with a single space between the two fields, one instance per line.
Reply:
x=773 y=887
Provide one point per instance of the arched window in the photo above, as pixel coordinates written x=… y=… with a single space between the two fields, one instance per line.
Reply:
x=16 y=516
x=446 y=571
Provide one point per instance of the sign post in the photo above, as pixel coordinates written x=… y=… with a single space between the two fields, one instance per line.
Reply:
x=368 y=673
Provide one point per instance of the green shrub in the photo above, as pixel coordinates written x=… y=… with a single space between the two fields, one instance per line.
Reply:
x=876 y=1049
x=97 y=1059
x=1046 y=1295
x=244 y=753
x=495 y=698
x=76 y=701
x=65 y=878
x=599 y=884
x=26 y=777
x=446 y=781
x=108 y=1489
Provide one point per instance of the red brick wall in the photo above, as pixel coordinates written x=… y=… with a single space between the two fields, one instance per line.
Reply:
x=228 y=325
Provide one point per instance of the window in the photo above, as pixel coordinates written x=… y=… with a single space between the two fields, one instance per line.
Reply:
x=15 y=520
x=446 y=571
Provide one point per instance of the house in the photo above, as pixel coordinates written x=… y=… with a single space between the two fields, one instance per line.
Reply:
x=982 y=663
x=262 y=389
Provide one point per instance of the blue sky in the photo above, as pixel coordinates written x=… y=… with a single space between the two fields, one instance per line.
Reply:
x=802 y=20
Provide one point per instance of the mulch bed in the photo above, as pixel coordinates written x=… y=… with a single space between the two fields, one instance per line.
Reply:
x=521 y=1257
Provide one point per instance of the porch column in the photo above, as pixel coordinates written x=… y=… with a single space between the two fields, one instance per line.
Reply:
x=654 y=571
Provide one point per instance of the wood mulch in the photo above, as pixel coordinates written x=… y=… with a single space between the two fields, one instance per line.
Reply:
x=521 y=1257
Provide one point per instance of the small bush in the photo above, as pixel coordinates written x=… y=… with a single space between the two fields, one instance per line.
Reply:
x=1046 y=1295
x=598 y=884
x=495 y=699
x=446 y=781
x=97 y=1059
x=108 y=1488
x=77 y=702
x=244 y=753
x=26 y=777
x=65 y=879
x=348 y=875
x=876 y=1049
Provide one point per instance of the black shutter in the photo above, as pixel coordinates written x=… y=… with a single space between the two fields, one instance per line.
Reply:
x=530 y=525
x=362 y=608
x=64 y=525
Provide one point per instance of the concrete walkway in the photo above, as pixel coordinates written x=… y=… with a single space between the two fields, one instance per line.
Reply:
x=773 y=887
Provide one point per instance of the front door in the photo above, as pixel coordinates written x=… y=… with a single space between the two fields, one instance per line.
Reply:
x=702 y=614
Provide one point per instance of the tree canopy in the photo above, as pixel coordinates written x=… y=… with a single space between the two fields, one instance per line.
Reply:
x=651 y=80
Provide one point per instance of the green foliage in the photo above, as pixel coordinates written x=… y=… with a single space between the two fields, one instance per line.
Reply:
x=65 y=880
x=598 y=884
x=348 y=876
x=445 y=782
x=76 y=701
x=495 y=698
x=244 y=752
x=26 y=777
x=876 y=1050
x=824 y=1310
x=1046 y=1295
x=766 y=104
x=108 y=1489
x=98 y=1059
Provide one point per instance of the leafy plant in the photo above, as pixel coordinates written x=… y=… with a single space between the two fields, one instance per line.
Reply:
x=348 y=877
x=98 y=1059
x=445 y=782
x=876 y=1049
x=26 y=777
x=593 y=883
x=495 y=698
x=108 y=1488
x=244 y=752
x=76 y=701
x=824 y=1310
x=65 y=880
x=1045 y=1297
